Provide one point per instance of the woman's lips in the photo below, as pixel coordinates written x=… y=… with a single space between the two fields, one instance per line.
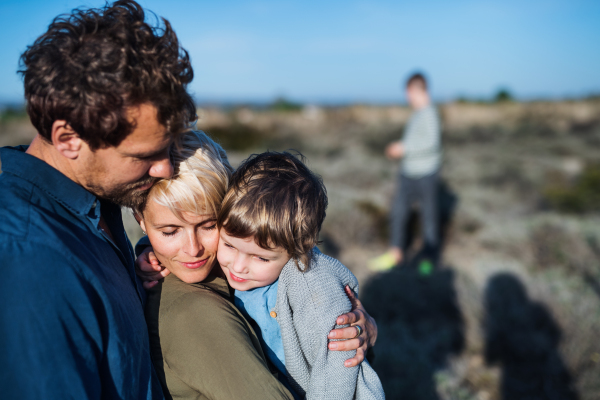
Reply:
x=196 y=264
x=237 y=278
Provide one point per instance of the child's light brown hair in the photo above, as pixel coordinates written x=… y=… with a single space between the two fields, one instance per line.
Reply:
x=276 y=199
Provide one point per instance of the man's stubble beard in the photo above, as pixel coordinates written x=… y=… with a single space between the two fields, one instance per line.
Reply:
x=126 y=195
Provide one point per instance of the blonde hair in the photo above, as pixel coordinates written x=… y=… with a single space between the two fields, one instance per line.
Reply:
x=200 y=179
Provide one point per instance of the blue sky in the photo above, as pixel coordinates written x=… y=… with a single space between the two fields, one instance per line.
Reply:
x=357 y=51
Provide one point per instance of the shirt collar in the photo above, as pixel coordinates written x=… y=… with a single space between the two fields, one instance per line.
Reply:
x=53 y=182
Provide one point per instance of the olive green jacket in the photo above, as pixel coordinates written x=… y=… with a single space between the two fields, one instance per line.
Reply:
x=201 y=345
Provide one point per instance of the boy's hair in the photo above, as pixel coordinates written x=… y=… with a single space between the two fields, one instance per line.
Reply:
x=276 y=199
x=200 y=179
x=93 y=64
x=417 y=79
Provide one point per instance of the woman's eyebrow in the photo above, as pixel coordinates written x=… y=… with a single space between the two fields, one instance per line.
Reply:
x=165 y=226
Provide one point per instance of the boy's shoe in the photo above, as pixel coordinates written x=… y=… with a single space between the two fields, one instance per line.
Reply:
x=384 y=262
x=425 y=267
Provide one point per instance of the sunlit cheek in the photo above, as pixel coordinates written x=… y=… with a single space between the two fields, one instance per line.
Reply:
x=164 y=248
x=222 y=256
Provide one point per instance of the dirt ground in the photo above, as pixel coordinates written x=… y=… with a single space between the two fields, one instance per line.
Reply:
x=514 y=310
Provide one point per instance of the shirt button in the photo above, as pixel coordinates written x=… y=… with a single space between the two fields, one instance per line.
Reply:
x=273 y=314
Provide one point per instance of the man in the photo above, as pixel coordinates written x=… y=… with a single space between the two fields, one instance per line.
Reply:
x=418 y=180
x=107 y=94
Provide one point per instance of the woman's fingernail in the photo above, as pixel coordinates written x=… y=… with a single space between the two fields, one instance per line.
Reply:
x=333 y=346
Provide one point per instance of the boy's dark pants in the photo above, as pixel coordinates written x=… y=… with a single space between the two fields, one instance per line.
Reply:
x=424 y=192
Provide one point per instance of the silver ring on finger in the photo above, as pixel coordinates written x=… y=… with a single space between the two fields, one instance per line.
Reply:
x=359 y=331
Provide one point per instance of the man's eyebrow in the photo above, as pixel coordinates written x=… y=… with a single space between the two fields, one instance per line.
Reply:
x=149 y=154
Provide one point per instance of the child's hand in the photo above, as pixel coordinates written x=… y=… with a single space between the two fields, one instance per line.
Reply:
x=394 y=151
x=149 y=269
x=358 y=316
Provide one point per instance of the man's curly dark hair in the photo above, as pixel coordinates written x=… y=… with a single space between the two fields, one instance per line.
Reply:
x=93 y=64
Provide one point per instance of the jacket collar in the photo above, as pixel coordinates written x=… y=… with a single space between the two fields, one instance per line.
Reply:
x=53 y=182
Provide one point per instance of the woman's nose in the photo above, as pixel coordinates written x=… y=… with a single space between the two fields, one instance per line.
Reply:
x=193 y=246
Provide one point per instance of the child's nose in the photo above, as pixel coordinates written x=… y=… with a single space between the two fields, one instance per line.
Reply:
x=239 y=264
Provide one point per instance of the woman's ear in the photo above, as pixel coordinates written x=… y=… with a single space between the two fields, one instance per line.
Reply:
x=143 y=226
x=66 y=141
x=140 y=219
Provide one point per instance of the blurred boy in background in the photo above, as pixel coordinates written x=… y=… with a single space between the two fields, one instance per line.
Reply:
x=421 y=155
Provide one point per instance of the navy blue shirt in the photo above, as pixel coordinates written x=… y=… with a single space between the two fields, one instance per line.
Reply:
x=72 y=321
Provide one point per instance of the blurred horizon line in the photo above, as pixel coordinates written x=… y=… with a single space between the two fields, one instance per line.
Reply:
x=266 y=102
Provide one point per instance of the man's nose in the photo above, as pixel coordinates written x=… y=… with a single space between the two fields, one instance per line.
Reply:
x=162 y=168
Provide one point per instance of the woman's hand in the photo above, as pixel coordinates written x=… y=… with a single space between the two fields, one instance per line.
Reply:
x=358 y=316
x=149 y=269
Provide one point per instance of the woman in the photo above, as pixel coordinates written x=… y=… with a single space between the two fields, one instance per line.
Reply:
x=202 y=346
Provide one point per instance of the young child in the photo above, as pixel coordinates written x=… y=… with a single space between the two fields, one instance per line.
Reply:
x=269 y=223
x=418 y=179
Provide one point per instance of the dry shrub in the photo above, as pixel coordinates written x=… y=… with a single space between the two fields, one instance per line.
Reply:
x=579 y=195
x=378 y=217
x=554 y=246
x=568 y=263
x=237 y=137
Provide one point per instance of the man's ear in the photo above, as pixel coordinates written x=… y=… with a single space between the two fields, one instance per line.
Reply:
x=66 y=141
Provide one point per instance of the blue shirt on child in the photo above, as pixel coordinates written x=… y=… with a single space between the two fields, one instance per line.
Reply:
x=257 y=304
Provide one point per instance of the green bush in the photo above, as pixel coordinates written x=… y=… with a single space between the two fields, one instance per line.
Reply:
x=238 y=137
x=580 y=196
x=282 y=104
x=12 y=113
x=503 y=95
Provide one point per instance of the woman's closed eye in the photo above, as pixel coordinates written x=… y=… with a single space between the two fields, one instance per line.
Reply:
x=210 y=227
x=169 y=233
